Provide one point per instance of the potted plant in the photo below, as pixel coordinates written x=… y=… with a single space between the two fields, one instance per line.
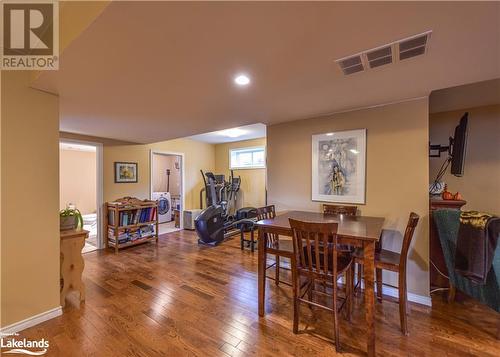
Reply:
x=70 y=218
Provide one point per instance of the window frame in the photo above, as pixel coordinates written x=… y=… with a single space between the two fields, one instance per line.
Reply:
x=251 y=149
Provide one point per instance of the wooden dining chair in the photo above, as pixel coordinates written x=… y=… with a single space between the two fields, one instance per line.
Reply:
x=336 y=209
x=396 y=262
x=318 y=260
x=275 y=246
x=344 y=210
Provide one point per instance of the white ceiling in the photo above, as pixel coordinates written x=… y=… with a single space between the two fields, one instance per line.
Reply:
x=246 y=132
x=466 y=96
x=147 y=72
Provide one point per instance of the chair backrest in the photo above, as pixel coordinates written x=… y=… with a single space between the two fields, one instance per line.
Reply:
x=410 y=229
x=315 y=248
x=269 y=212
x=266 y=212
x=336 y=209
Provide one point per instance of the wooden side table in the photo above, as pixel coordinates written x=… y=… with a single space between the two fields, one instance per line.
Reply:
x=72 y=263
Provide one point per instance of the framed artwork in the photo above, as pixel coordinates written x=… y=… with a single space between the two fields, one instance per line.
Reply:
x=339 y=166
x=125 y=172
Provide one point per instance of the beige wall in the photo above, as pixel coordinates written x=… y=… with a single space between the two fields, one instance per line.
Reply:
x=198 y=156
x=396 y=173
x=253 y=181
x=77 y=180
x=30 y=199
x=480 y=184
x=160 y=165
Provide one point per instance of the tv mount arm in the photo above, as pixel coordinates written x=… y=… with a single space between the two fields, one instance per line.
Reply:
x=436 y=150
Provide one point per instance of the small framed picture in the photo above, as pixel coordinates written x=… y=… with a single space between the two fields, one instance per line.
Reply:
x=125 y=172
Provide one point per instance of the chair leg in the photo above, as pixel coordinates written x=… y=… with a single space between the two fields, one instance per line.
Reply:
x=335 y=317
x=296 y=307
x=242 y=241
x=451 y=294
x=403 y=303
x=360 y=276
x=349 y=284
x=277 y=275
x=378 y=272
x=252 y=238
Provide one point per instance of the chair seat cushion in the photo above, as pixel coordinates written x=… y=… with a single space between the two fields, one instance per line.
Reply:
x=384 y=257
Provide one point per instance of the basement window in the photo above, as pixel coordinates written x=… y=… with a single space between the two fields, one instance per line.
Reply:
x=247 y=158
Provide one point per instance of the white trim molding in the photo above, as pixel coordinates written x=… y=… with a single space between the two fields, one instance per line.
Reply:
x=394 y=292
x=32 y=321
x=153 y=152
x=99 y=185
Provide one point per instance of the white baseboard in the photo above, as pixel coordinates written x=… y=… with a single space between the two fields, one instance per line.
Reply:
x=394 y=292
x=32 y=321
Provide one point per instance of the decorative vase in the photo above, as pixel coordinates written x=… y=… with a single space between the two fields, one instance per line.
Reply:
x=67 y=223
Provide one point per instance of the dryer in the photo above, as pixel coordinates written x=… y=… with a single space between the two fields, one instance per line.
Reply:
x=164 y=206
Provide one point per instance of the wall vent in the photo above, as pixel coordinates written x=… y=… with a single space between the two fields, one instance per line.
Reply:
x=379 y=57
x=351 y=65
x=413 y=47
x=390 y=53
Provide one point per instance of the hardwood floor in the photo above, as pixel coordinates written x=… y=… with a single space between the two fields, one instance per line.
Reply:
x=181 y=299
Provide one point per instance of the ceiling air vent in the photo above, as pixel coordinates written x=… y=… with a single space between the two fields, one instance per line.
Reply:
x=379 y=56
x=351 y=65
x=413 y=47
x=390 y=53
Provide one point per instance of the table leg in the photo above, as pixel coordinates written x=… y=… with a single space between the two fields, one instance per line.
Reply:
x=261 y=271
x=369 y=270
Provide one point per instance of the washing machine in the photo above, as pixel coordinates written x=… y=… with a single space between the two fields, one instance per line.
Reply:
x=164 y=206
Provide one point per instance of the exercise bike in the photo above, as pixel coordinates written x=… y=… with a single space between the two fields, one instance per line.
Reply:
x=221 y=220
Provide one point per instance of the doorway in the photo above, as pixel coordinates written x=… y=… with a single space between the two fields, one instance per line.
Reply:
x=80 y=186
x=167 y=187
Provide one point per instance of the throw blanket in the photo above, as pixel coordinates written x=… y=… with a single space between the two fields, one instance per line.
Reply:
x=477 y=240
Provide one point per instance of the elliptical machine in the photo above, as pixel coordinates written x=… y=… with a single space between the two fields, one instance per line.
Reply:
x=220 y=219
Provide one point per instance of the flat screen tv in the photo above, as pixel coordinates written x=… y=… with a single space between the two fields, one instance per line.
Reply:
x=459 y=146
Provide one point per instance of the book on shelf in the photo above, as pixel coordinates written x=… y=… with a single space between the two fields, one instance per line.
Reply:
x=131 y=235
x=133 y=217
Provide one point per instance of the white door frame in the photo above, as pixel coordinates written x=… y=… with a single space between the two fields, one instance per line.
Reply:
x=99 y=185
x=183 y=183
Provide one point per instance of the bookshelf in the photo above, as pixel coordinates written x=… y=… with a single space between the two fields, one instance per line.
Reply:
x=130 y=221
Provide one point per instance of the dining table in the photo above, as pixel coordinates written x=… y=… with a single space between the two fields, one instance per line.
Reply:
x=357 y=231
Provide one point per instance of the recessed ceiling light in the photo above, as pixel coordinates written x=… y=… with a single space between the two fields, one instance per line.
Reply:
x=232 y=133
x=242 y=80
x=329 y=134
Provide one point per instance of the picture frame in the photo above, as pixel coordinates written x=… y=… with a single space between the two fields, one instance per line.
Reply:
x=339 y=166
x=126 y=172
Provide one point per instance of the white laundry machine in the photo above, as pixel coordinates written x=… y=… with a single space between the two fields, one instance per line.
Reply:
x=164 y=206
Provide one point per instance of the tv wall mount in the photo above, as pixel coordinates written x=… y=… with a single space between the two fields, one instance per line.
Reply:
x=436 y=150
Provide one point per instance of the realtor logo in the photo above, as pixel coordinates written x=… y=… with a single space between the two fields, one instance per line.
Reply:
x=30 y=39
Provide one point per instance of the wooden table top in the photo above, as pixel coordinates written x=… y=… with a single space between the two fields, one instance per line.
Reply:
x=357 y=227
x=73 y=233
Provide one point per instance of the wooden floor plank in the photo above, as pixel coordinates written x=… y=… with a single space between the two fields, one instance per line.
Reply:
x=181 y=299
